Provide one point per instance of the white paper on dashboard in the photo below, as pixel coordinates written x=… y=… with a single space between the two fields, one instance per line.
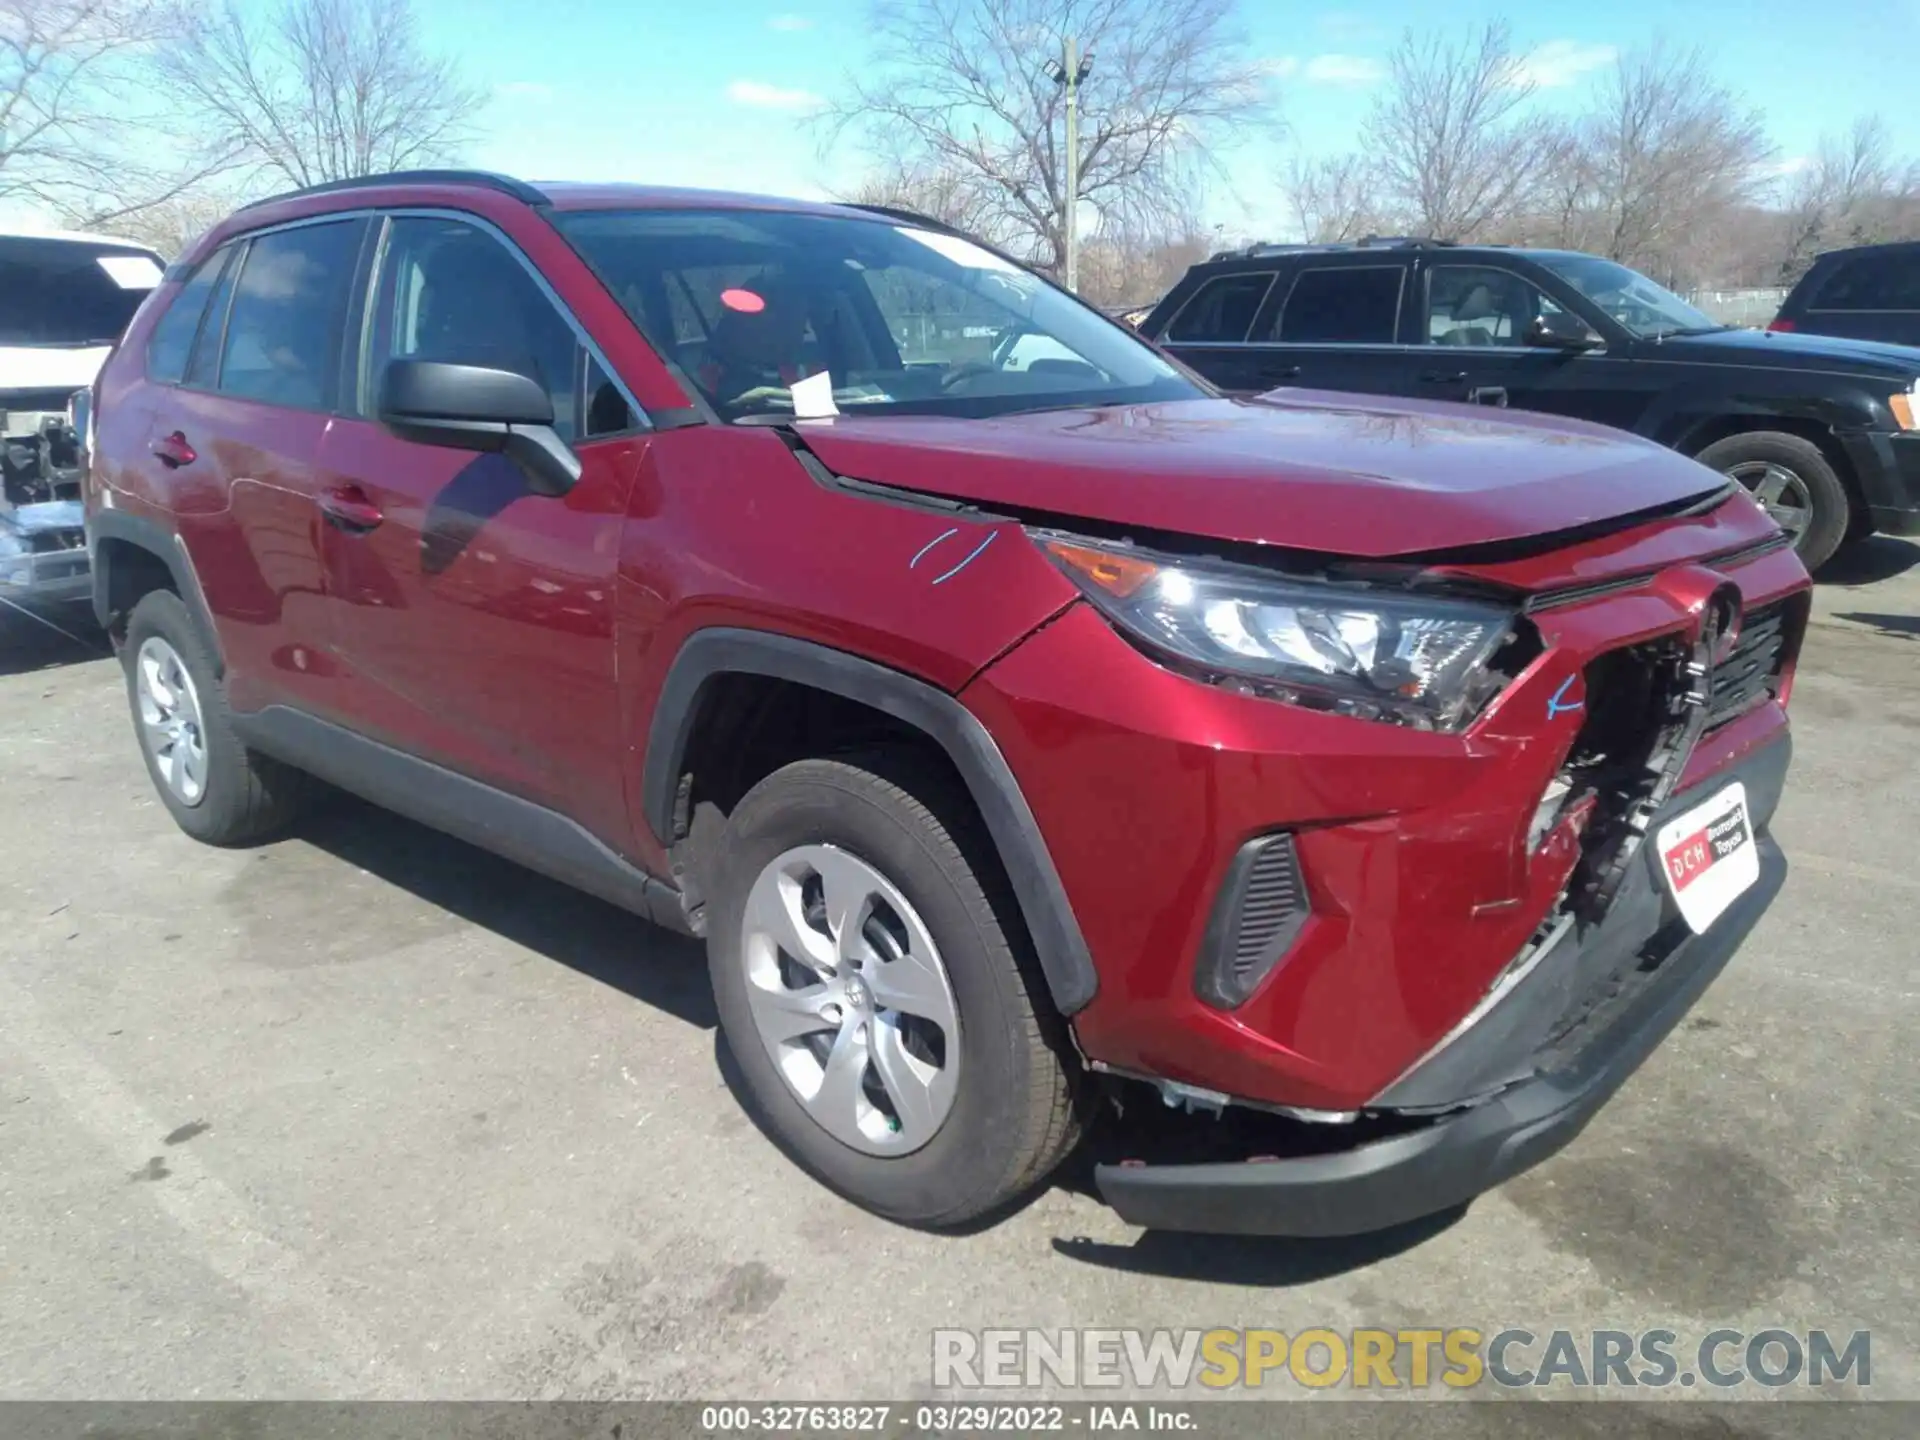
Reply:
x=130 y=272
x=813 y=397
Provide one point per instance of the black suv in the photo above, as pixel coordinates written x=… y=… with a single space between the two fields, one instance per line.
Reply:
x=1871 y=292
x=1821 y=430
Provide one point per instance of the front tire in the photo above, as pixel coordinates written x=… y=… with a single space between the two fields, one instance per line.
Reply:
x=1795 y=481
x=216 y=789
x=889 y=1025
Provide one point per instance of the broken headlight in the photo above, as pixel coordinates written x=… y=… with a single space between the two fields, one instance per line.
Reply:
x=1410 y=659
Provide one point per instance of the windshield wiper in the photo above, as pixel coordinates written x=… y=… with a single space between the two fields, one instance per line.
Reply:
x=1685 y=330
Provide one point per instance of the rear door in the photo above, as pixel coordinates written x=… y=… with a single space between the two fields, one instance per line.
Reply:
x=239 y=437
x=1339 y=326
x=475 y=617
x=1209 y=332
x=1870 y=296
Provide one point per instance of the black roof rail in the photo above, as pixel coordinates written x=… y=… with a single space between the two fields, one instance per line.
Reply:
x=486 y=179
x=902 y=213
x=1399 y=242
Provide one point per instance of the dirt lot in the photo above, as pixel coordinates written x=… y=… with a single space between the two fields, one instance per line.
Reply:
x=368 y=1113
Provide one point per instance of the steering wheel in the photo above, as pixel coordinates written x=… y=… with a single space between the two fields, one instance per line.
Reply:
x=966 y=370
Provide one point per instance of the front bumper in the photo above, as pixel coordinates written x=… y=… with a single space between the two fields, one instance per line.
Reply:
x=1584 y=1025
x=33 y=569
x=1888 y=467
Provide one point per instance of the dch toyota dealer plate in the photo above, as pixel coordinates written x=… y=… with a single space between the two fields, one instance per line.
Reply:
x=1709 y=856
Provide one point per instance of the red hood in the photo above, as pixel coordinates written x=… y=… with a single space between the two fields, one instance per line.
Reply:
x=1310 y=470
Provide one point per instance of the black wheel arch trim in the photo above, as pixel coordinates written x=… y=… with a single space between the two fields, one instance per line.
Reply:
x=166 y=546
x=710 y=653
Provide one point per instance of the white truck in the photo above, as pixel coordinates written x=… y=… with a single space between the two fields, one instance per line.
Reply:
x=64 y=300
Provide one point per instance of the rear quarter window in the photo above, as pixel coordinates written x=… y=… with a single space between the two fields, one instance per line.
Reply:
x=1871 y=282
x=1221 y=311
x=173 y=334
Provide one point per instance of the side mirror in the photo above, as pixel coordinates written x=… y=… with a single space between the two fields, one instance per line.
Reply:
x=1561 y=331
x=469 y=407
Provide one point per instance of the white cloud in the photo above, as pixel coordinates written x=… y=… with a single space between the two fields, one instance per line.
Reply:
x=763 y=96
x=1559 y=63
x=1281 y=67
x=524 y=90
x=1792 y=165
x=790 y=22
x=1345 y=70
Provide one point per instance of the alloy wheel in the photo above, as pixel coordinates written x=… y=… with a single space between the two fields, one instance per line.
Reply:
x=1782 y=493
x=851 y=999
x=170 y=723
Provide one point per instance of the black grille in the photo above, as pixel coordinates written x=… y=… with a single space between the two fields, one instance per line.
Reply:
x=1260 y=910
x=1751 y=674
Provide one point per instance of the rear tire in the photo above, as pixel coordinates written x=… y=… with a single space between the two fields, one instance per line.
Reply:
x=888 y=829
x=1793 y=478
x=216 y=789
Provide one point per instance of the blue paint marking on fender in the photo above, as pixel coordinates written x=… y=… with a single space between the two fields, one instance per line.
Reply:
x=922 y=552
x=1555 y=706
x=978 y=550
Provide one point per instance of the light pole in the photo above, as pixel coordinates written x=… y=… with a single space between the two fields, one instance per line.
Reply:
x=1069 y=73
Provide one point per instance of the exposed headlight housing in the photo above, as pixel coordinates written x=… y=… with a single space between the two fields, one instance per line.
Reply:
x=1405 y=658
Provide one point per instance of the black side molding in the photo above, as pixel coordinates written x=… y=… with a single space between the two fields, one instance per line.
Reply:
x=165 y=546
x=1061 y=947
x=509 y=826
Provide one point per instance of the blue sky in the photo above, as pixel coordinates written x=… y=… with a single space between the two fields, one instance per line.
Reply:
x=717 y=96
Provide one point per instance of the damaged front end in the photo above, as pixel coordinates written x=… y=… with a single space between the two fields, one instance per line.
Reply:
x=43 y=543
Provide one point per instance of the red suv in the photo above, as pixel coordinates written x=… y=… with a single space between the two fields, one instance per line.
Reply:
x=1027 y=728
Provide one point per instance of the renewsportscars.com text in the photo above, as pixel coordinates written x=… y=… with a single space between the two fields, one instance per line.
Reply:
x=1379 y=1359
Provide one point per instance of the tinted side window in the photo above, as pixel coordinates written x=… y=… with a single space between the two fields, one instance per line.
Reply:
x=1353 y=305
x=1480 y=305
x=1872 y=282
x=289 y=308
x=172 y=338
x=203 y=366
x=451 y=292
x=1222 y=309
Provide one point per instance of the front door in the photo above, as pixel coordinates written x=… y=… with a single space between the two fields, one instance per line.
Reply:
x=476 y=616
x=1475 y=335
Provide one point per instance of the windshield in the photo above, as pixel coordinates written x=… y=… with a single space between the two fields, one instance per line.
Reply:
x=775 y=314
x=1650 y=311
x=67 y=292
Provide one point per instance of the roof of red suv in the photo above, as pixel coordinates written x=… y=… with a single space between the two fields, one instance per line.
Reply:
x=556 y=194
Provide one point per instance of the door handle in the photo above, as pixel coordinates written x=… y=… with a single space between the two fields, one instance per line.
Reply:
x=1278 y=372
x=1488 y=395
x=1441 y=377
x=173 y=451
x=348 y=508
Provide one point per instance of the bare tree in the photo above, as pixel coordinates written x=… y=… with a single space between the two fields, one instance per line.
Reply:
x=78 y=126
x=957 y=87
x=1854 y=193
x=1667 y=156
x=322 y=90
x=1335 y=198
x=171 y=225
x=1456 y=152
x=944 y=193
